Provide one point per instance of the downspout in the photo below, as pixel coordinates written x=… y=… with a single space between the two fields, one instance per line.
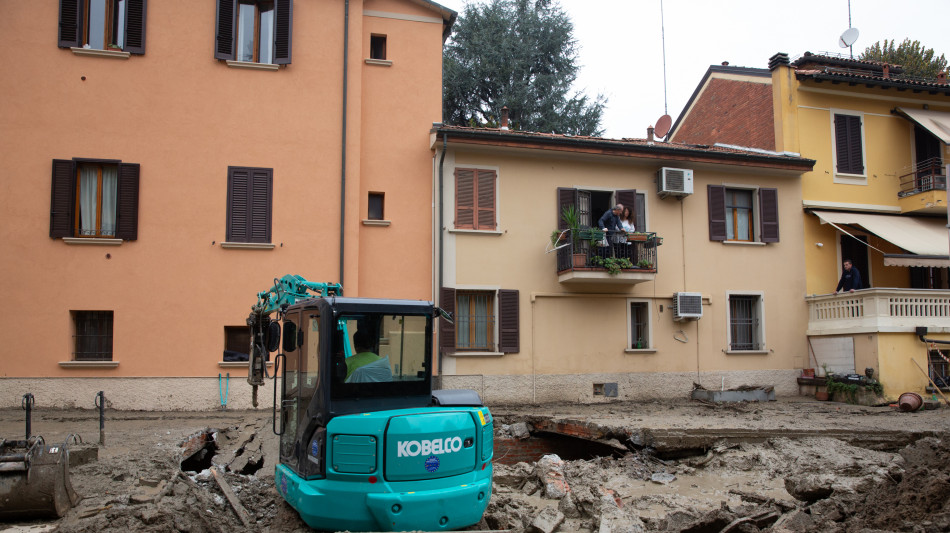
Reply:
x=445 y=144
x=346 y=51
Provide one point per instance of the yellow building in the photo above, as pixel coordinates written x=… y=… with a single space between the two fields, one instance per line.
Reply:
x=533 y=323
x=165 y=161
x=877 y=196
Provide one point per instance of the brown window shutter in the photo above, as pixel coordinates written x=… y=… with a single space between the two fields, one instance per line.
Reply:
x=69 y=17
x=628 y=197
x=485 y=185
x=640 y=213
x=62 y=199
x=283 y=31
x=464 y=198
x=262 y=184
x=135 y=26
x=446 y=328
x=508 y=320
x=716 y=195
x=848 y=148
x=127 y=202
x=239 y=183
x=768 y=216
x=224 y=33
x=566 y=197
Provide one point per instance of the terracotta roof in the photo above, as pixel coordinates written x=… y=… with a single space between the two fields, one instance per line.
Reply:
x=821 y=67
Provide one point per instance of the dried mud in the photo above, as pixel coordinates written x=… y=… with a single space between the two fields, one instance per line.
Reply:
x=153 y=474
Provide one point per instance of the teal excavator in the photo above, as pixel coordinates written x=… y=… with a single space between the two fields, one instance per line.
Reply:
x=365 y=443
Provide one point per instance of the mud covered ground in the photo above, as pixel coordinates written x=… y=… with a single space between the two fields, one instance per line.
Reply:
x=157 y=471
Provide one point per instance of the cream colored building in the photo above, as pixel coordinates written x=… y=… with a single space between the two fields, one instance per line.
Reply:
x=532 y=327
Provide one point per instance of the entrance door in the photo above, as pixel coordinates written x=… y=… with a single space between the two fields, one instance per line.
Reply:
x=857 y=252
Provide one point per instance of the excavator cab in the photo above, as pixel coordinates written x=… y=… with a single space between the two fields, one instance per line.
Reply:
x=365 y=444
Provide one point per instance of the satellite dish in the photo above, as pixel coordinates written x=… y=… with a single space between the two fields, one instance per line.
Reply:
x=848 y=38
x=663 y=126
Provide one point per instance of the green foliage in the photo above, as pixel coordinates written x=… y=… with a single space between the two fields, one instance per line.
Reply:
x=850 y=390
x=613 y=264
x=918 y=62
x=520 y=54
x=643 y=263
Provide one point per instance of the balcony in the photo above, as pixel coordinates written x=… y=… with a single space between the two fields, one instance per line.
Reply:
x=879 y=311
x=613 y=257
x=923 y=189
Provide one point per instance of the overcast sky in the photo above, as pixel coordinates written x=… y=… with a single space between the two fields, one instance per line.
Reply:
x=621 y=43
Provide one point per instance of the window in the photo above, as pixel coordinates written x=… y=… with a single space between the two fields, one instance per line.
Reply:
x=745 y=322
x=254 y=31
x=742 y=214
x=237 y=342
x=375 y=209
x=475 y=199
x=93 y=335
x=848 y=147
x=377 y=47
x=591 y=204
x=94 y=198
x=483 y=319
x=249 y=204
x=103 y=24
x=640 y=338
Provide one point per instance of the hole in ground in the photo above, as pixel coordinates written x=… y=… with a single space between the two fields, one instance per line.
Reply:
x=197 y=452
x=530 y=450
x=252 y=466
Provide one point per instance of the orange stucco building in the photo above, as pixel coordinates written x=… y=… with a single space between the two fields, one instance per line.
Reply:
x=165 y=161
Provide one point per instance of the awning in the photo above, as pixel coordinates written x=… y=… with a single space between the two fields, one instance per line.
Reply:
x=921 y=236
x=933 y=121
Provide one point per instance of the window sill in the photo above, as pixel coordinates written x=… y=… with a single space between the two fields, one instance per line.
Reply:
x=89 y=364
x=476 y=354
x=248 y=245
x=379 y=62
x=640 y=350
x=851 y=179
x=746 y=352
x=745 y=243
x=367 y=222
x=251 y=66
x=239 y=364
x=92 y=240
x=95 y=52
x=477 y=231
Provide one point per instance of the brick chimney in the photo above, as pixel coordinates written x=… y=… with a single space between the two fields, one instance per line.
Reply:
x=650 y=135
x=887 y=71
x=942 y=78
x=504 y=118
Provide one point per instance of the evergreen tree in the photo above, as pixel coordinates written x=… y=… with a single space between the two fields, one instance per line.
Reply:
x=917 y=61
x=520 y=54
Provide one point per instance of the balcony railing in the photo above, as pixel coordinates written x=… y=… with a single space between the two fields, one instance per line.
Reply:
x=878 y=310
x=928 y=175
x=614 y=252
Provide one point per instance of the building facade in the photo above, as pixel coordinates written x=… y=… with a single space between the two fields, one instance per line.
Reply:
x=166 y=161
x=876 y=196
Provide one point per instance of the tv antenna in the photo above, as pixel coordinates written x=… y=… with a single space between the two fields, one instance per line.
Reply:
x=850 y=35
x=663 y=40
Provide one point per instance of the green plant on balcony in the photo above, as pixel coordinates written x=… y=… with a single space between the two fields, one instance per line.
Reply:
x=643 y=263
x=613 y=265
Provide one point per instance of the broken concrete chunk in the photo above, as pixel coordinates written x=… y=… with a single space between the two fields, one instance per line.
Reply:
x=547 y=521
x=662 y=478
x=617 y=520
x=568 y=506
x=809 y=487
x=520 y=430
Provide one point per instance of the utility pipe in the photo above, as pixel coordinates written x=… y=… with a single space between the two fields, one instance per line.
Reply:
x=346 y=53
x=445 y=144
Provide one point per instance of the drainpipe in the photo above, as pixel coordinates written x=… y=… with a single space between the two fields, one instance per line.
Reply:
x=346 y=51
x=445 y=144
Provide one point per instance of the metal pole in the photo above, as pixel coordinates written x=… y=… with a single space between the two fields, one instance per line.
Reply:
x=28 y=407
x=101 y=404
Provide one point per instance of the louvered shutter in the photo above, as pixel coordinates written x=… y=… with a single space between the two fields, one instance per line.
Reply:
x=716 y=196
x=62 y=199
x=69 y=16
x=224 y=29
x=640 y=213
x=848 y=150
x=446 y=328
x=239 y=183
x=768 y=216
x=628 y=197
x=566 y=197
x=283 y=31
x=485 y=189
x=135 y=26
x=260 y=202
x=464 y=198
x=508 y=320
x=127 y=202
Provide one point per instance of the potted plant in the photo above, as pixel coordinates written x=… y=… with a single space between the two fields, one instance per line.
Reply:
x=114 y=47
x=613 y=264
x=571 y=218
x=644 y=264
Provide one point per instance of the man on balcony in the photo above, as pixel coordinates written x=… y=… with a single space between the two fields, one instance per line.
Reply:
x=613 y=229
x=850 y=278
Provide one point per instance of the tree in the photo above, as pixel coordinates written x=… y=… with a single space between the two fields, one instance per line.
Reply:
x=917 y=61
x=520 y=54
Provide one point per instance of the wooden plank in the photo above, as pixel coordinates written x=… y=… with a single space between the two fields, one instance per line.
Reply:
x=239 y=509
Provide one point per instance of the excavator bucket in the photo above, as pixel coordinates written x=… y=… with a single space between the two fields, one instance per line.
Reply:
x=34 y=480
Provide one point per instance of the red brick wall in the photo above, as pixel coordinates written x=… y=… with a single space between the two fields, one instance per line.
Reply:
x=731 y=112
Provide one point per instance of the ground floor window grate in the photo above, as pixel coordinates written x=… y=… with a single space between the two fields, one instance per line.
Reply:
x=93 y=335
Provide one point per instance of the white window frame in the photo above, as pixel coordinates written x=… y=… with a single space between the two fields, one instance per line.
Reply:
x=840 y=177
x=760 y=332
x=651 y=346
x=756 y=213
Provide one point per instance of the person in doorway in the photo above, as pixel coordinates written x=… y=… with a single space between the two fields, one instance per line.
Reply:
x=626 y=220
x=850 y=278
x=365 y=365
x=613 y=229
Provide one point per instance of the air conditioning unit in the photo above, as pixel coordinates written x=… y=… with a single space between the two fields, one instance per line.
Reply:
x=674 y=182
x=687 y=306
